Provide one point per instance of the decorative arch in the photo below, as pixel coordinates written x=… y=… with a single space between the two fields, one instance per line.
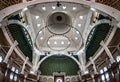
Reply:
x=64 y=54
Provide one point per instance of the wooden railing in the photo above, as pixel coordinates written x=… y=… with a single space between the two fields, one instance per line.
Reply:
x=113 y=75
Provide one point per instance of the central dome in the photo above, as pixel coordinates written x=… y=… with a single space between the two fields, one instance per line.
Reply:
x=58 y=23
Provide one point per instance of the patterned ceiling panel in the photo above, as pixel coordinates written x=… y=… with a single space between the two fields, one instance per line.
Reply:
x=113 y=3
x=6 y=3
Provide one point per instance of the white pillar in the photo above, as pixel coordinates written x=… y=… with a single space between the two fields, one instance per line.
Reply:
x=35 y=61
x=24 y=1
x=82 y=61
x=10 y=51
x=118 y=25
x=107 y=51
x=38 y=76
x=79 y=75
x=94 y=67
x=93 y=0
x=118 y=48
x=23 y=67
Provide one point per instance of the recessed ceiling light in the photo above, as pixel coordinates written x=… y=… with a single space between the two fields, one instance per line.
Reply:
x=79 y=25
x=62 y=42
x=40 y=32
x=77 y=32
x=76 y=38
x=43 y=8
x=48 y=42
x=81 y=17
x=86 y=72
x=64 y=7
x=38 y=25
x=74 y=8
x=68 y=42
x=37 y=17
x=25 y=9
x=55 y=42
x=93 y=9
x=41 y=38
x=31 y=72
x=53 y=7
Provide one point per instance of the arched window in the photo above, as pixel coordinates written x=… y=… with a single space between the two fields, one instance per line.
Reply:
x=118 y=58
x=1 y=58
x=59 y=80
x=15 y=78
x=13 y=69
x=16 y=71
x=106 y=74
x=105 y=69
x=102 y=76
x=101 y=71
x=11 y=76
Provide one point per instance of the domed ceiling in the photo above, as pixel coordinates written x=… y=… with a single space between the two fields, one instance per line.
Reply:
x=58 y=26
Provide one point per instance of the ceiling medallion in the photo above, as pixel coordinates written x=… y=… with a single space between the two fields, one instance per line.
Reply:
x=59 y=23
x=58 y=42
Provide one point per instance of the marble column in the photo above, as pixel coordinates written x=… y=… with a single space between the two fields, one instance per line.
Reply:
x=107 y=51
x=10 y=52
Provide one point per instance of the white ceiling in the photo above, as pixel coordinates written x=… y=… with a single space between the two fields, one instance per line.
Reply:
x=78 y=14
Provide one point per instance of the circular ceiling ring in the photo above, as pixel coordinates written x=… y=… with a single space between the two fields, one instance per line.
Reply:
x=80 y=35
x=35 y=45
x=59 y=22
x=82 y=43
x=50 y=32
x=55 y=24
x=59 y=36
